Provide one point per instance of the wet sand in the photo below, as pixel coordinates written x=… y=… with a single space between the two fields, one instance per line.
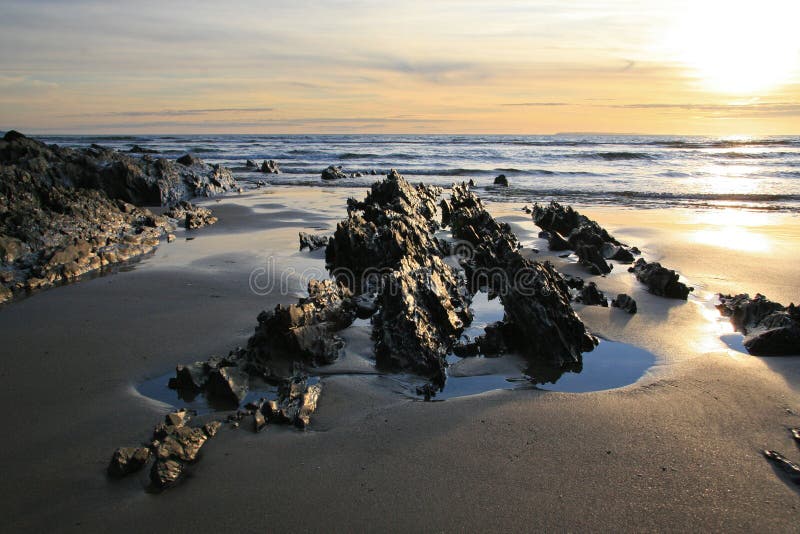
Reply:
x=679 y=449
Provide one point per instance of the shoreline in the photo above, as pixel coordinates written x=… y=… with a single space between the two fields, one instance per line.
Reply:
x=529 y=441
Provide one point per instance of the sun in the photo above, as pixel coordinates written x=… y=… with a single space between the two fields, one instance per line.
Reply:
x=740 y=47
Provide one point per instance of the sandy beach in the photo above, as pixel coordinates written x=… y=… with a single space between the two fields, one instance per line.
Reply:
x=679 y=449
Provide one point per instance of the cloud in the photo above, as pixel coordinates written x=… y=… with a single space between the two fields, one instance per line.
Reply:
x=537 y=104
x=757 y=109
x=173 y=112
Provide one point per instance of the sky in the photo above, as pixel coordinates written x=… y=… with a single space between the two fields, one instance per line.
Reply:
x=708 y=67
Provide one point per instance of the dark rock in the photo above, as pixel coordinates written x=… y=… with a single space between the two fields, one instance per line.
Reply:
x=304 y=331
x=259 y=421
x=228 y=384
x=296 y=402
x=624 y=302
x=181 y=443
x=366 y=305
x=466 y=349
x=187 y=160
x=428 y=391
x=590 y=257
x=660 y=280
x=211 y=428
x=573 y=282
x=556 y=242
x=250 y=164
x=770 y=328
x=616 y=252
x=313 y=242
x=270 y=167
x=127 y=460
x=501 y=180
x=783 y=463
x=333 y=173
x=136 y=149
x=492 y=341
x=592 y=296
x=166 y=473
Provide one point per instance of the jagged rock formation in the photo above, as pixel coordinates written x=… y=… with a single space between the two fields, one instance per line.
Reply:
x=501 y=180
x=539 y=321
x=592 y=296
x=569 y=230
x=660 y=280
x=770 y=328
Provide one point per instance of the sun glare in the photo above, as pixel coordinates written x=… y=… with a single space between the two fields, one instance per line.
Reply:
x=740 y=47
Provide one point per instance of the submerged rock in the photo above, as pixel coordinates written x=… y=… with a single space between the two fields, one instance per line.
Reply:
x=333 y=173
x=270 y=167
x=770 y=328
x=501 y=180
x=660 y=280
x=250 y=164
x=136 y=149
x=313 y=242
x=625 y=302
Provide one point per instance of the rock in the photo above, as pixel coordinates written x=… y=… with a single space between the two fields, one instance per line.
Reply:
x=193 y=216
x=581 y=233
x=501 y=180
x=590 y=257
x=770 y=328
x=127 y=460
x=313 y=242
x=259 y=421
x=366 y=305
x=227 y=383
x=250 y=164
x=188 y=160
x=573 y=282
x=178 y=418
x=180 y=443
x=296 y=402
x=211 y=428
x=624 y=302
x=270 y=167
x=333 y=173
x=659 y=280
x=592 y=296
x=166 y=473
x=304 y=331
x=171 y=238
x=787 y=466
x=136 y=149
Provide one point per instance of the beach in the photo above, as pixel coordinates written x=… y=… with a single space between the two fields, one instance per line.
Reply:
x=678 y=448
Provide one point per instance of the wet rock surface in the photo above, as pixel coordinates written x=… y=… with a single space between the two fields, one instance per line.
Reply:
x=770 y=328
x=660 y=280
x=501 y=180
x=270 y=167
x=569 y=230
x=66 y=212
x=333 y=173
x=312 y=241
x=592 y=296
x=791 y=469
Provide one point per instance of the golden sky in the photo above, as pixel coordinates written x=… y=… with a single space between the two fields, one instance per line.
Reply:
x=704 y=67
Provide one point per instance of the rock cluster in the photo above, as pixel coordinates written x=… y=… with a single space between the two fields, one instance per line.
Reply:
x=660 y=280
x=625 y=303
x=592 y=296
x=190 y=215
x=174 y=445
x=569 y=230
x=770 y=328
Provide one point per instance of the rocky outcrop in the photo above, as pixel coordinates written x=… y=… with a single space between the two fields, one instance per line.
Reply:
x=625 y=303
x=250 y=164
x=312 y=241
x=770 y=328
x=569 y=230
x=190 y=215
x=592 y=296
x=136 y=149
x=66 y=212
x=660 y=280
x=501 y=180
x=127 y=460
x=539 y=321
x=333 y=173
x=270 y=166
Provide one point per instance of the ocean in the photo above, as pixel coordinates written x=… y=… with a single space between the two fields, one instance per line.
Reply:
x=638 y=171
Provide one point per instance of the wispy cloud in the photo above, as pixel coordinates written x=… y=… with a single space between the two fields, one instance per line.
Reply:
x=536 y=104
x=757 y=109
x=172 y=112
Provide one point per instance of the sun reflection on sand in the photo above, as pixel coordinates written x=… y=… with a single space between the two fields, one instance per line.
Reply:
x=732 y=229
